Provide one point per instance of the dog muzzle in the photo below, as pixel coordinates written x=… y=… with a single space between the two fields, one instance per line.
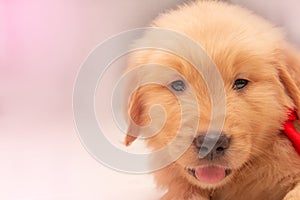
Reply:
x=290 y=130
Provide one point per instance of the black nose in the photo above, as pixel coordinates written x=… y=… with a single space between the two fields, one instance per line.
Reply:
x=212 y=146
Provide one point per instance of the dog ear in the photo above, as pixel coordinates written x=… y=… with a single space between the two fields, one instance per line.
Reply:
x=289 y=74
x=135 y=110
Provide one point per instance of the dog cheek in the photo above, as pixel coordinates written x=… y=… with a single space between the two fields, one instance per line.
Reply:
x=241 y=143
x=163 y=125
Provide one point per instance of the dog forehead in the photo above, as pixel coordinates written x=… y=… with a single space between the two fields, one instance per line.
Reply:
x=233 y=43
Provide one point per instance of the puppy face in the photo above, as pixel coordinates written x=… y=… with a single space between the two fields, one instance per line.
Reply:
x=258 y=90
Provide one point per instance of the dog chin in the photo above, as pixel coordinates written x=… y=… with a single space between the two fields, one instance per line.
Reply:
x=211 y=176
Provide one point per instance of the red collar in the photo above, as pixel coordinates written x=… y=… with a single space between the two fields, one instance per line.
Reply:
x=290 y=130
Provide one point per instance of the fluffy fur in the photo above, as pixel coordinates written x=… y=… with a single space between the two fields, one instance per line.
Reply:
x=263 y=161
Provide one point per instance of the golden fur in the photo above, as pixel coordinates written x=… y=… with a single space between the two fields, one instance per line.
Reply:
x=263 y=161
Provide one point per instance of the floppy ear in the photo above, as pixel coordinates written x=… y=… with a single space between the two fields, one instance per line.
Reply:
x=135 y=110
x=290 y=86
x=290 y=75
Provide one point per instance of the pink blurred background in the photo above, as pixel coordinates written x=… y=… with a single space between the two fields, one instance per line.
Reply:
x=42 y=45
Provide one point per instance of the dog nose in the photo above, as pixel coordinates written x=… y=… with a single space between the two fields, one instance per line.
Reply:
x=212 y=146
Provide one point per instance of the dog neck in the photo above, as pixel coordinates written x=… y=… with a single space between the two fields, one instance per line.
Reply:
x=290 y=129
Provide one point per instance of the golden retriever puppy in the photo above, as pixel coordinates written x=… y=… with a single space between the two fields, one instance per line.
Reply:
x=251 y=156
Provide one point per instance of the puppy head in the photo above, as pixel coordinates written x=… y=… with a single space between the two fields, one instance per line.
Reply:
x=253 y=61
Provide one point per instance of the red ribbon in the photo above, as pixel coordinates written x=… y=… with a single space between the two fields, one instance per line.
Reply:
x=290 y=130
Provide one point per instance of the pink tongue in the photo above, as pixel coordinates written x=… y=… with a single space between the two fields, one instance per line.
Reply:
x=210 y=175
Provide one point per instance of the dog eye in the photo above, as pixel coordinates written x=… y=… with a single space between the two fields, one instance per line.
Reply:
x=178 y=85
x=240 y=83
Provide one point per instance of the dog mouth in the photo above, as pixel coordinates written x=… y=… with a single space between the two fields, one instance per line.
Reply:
x=209 y=174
